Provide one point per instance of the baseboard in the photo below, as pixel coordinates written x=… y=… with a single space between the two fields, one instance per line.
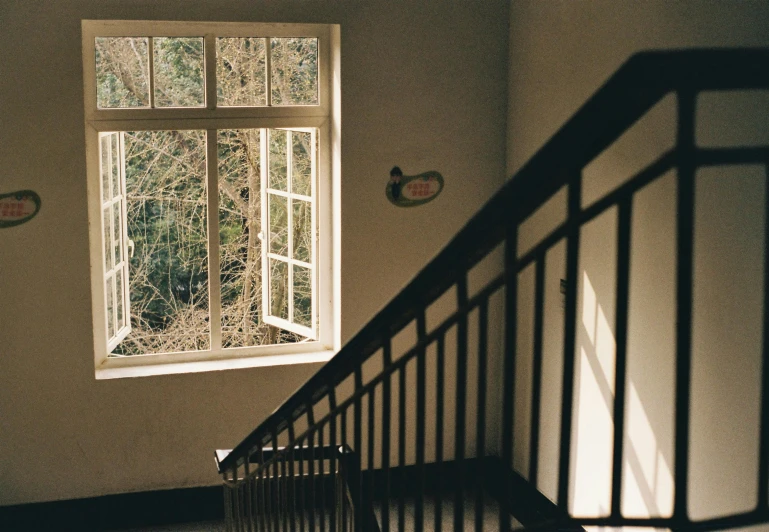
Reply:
x=185 y=505
x=116 y=512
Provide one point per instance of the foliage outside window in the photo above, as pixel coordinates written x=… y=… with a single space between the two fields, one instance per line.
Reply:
x=210 y=144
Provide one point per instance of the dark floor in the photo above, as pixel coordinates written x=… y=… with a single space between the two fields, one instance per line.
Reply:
x=203 y=526
x=490 y=518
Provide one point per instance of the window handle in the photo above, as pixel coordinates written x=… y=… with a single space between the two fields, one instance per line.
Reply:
x=131 y=247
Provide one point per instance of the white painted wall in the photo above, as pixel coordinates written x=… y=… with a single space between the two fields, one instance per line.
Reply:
x=423 y=87
x=561 y=51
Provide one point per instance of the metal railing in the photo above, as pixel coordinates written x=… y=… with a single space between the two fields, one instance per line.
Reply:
x=425 y=394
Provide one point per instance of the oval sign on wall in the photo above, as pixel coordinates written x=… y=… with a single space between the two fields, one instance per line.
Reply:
x=18 y=207
x=410 y=191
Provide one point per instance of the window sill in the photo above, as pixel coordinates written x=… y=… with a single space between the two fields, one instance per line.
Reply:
x=151 y=365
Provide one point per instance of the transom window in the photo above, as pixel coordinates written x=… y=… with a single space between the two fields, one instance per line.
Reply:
x=210 y=189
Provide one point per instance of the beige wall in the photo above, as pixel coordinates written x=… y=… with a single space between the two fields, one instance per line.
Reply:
x=560 y=53
x=423 y=87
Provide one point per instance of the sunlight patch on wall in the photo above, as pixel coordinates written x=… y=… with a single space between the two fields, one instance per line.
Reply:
x=595 y=429
x=647 y=482
x=592 y=487
x=588 y=308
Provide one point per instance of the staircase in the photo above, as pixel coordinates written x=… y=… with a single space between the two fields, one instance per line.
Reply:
x=443 y=413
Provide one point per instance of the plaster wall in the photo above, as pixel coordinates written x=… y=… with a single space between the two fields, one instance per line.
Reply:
x=423 y=87
x=560 y=53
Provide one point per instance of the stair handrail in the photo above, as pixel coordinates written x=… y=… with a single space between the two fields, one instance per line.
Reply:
x=640 y=83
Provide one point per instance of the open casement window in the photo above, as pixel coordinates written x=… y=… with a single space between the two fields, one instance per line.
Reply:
x=114 y=237
x=288 y=222
x=213 y=181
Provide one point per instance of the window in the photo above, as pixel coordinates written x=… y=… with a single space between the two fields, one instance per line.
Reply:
x=213 y=169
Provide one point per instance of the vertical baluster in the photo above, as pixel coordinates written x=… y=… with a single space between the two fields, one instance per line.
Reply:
x=244 y=523
x=763 y=450
x=684 y=270
x=369 y=496
x=280 y=473
x=386 y=419
x=508 y=398
x=233 y=499
x=340 y=489
x=322 y=476
x=421 y=415
x=292 y=495
x=311 y=467
x=358 y=447
x=332 y=457
x=247 y=495
x=483 y=321
x=227 y=502
x=228 y=514
x=284 y=491
x=353 y=464
x=232 y=524
x=269 y=487
x=258 y=516
x=276 y=482
x=624 y=218
x=301 y=444
x=570 y=338
x=255 y=494
x=235 y=496
x=402 y=448
x=343 y=465
x=262 y=492
x=440 y=384
x=536 y=385
x=461 y=400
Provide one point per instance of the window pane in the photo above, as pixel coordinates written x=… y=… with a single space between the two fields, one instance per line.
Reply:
x=115 y=170
x=302 y=296
x=240 y=71
x=178 y=72
x=110 y=308
x=166 y=209
x=122 y=78
x=279 y=288
x=278 y=210
x=301 y=163
x=107 y=232
x=302 y=230
x=105 y=169
x=118 y=249
x=294 y=71
x=239 y=246
x=119 y=300
x=278 y=174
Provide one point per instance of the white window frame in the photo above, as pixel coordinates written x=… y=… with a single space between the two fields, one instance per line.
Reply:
x=115 y=262
x=288 y=324
x=324 y=119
